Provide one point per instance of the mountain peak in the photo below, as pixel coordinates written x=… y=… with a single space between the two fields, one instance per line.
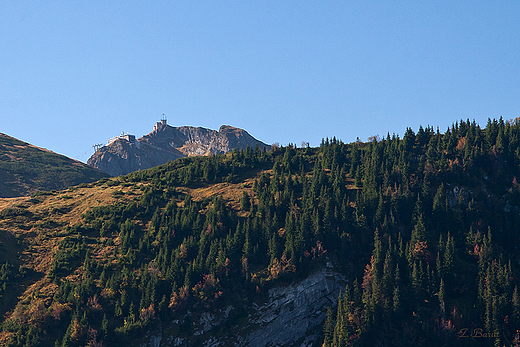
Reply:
x=227 y=127
x=125 y=154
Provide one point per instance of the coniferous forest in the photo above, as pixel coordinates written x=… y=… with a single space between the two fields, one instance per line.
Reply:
x=424 y=227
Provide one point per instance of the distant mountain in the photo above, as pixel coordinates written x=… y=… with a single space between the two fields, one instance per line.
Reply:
x=125 y=154
x=25 y=169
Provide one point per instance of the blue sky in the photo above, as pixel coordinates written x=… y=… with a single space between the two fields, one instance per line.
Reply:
x=75 y=73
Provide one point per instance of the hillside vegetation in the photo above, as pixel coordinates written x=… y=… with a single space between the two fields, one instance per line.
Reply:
x=425 y=228
x=25 y=169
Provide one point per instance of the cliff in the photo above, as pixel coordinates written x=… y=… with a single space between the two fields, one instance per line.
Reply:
x=166 y=143
x=292 y=315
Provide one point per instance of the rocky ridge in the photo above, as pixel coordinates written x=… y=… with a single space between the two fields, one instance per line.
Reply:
x=125 y=154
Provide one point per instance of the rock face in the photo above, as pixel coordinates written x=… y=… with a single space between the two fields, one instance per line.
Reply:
x=125 y=154
x=292 y=316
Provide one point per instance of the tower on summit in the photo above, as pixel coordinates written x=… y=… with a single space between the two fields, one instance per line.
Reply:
x=161 y=124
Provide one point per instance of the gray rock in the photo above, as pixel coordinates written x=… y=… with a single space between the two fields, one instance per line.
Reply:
x=293 y=315
x=154 y=341
x=294 y=312
x=125 y=154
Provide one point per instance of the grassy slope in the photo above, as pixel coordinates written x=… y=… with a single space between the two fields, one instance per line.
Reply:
x=31 y=228
x=25 y=169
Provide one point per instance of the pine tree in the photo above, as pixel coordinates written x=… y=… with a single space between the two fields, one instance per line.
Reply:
x=396 y=300
x=418 y=279
x=515 y=302
x=441 y=298
x=246 y=249
x=245 y=202
x=273 y=247
x=448 y=265
x=328 y=329
x=387 y=274
x=440 y=206
x=418 y=232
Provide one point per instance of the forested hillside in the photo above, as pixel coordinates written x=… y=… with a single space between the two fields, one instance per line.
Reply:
x=425 y=229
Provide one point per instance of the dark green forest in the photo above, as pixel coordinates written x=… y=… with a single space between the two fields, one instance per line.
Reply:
x=425 y=227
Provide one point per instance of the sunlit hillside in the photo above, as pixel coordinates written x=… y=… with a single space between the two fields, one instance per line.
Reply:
x=424 y=229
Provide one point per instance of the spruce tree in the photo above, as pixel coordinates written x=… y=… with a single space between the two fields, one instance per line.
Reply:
x=328 y=329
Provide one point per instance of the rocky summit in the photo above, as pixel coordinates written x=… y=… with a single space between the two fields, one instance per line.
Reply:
x=125 y=154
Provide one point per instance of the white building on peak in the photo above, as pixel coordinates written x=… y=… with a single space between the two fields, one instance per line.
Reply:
x=128 y=137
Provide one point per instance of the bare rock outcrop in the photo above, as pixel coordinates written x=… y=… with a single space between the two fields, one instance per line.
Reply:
x=125 y=154
x=292 y=316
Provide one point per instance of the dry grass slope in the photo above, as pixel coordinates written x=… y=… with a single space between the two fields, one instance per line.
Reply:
x=32 y=227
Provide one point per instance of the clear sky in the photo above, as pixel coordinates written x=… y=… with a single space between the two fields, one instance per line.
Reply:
x=75 y=73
